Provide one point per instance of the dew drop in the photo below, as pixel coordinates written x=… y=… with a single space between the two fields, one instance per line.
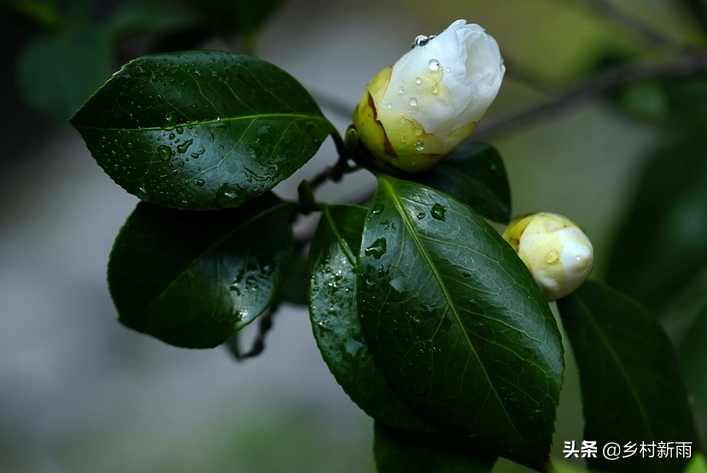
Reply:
x=170 y=121
x=419 y=145
x=434 y=89
x=164 y=152
x=438 y=212
x=377 y=209
x=142 y=193
x=398 y=284
x=377 y=249
x=418 y=81
x=200 y=182
x=420 y=40
x=401 y=90
x=552 y=256
x=433 y=65
x=447 y=70
x=413 y=102
x=420 y=215
x=184 y=147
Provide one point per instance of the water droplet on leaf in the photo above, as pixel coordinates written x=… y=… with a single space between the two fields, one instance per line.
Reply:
x=185 y=146
x=438 y=212
x=164 y=152
x=377 y=249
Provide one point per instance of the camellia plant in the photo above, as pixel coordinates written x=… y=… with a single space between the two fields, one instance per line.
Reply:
x=433 y=323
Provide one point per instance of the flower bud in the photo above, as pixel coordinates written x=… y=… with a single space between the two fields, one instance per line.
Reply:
x=416 y=111
x=557 y=252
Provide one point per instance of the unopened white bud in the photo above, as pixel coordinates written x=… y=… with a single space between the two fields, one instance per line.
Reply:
x=557 y=252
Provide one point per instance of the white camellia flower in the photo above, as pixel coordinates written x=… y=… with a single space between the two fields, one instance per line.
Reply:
x=419 y=109
x=555 y=249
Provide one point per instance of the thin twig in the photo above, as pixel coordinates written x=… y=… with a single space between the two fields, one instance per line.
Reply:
x=330 y=173
x=686 y=64
x=265 y=323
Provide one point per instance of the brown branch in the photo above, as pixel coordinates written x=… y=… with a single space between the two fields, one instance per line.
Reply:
x=684 y=65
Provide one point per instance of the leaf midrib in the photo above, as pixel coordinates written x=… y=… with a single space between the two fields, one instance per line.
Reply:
x=298 y=116
x=447 y=297
x=342 y=242
x=634 y=393
x=214 y=245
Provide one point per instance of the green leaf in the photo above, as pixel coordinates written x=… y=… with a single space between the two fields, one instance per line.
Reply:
x=335 y=323
x=696 y=465
x=562 y=467
x=475 y=175
x=692 y=354
x=456 y=322
x=132 y=18
x=193 y=279
x=294 y=288
x=631 y=385
x=201 y=130
x=55 y=74
x=397 y=451
x=242 y=17
x=660 y=244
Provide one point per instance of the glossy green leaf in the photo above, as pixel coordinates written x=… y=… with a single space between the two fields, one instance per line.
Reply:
x=294 y=287
x=398 y=451
x=660 y=243
x=631 y=385
x=243 y=17
x=201 y=130
x=456 y=322
x=475 y=175
x=55 y=74
x=137 y=17
x=193 y=279
x=335 y=322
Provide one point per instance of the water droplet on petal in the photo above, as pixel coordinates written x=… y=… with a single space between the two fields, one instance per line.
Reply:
x=421 y=215
x=552 y=256
x=420 y=40
x=419 y=145
x=401 y=90
x=200 y=182
x=413 y=102
x=447 y=70
x=418 y=81
x=433 y=65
